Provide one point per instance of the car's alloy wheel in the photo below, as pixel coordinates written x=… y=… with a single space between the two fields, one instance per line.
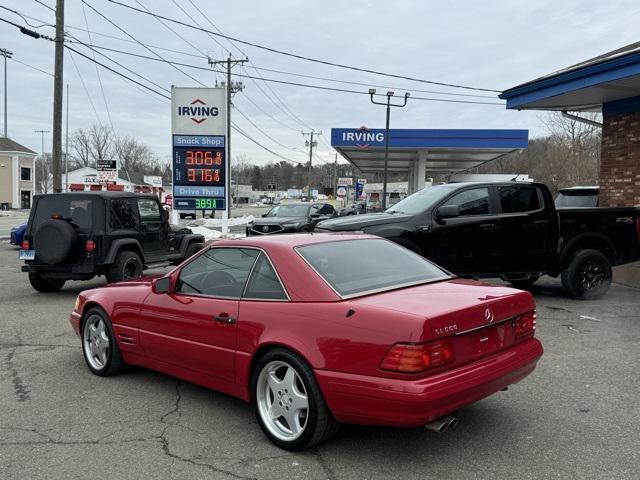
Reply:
x=97 y=342
x=130 y=270
x=282 y=401
x=101 y=351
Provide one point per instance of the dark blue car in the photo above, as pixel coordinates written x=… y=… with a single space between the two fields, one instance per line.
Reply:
x=17 y=233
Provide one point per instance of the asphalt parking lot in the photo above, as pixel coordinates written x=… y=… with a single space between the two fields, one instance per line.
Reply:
x=577 y=416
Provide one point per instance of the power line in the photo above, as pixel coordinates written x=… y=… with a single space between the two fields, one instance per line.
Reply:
x=24 y=18
x=302 y=57
x=31 y=66
x=104 y=97
x=140 y=43
x=248 y=137
x=297 y=84
x=45 y=5
x=84 y=86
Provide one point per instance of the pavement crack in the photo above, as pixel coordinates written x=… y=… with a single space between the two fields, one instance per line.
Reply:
x=19 y=387
x=325 y=466
x=166 y=449
x=47 y=345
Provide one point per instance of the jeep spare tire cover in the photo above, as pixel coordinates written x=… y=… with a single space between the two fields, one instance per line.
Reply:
x=54 y=240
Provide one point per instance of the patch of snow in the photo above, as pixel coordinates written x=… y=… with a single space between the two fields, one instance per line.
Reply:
x=217 y=222
x=210 y=234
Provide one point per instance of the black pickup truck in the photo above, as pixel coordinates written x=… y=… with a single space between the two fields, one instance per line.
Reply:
x=509 y=230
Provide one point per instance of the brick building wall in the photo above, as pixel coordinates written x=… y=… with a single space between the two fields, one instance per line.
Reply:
x=620 y=160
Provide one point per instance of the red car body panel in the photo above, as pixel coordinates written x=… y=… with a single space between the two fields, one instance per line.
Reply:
x=344 y=341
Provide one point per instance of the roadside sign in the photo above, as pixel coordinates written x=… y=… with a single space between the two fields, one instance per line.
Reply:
x=200 y=169
x=107 y=170
x=271 y=186
x=342 y=192
x=153 y=180
x=345 y=181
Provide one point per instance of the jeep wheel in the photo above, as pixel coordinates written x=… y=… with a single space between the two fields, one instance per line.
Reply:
x=126 y=267
x=588 y=275
x=192 y=249
x=45 y=285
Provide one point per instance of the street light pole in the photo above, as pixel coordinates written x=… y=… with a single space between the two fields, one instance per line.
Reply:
x=389 y=95
x=6 y=54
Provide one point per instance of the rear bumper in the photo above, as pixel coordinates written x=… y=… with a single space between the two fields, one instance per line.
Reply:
x=369 y=400
x=80 y=271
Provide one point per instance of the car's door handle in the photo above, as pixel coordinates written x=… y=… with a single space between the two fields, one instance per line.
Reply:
x=488 y=226
x=224 y=318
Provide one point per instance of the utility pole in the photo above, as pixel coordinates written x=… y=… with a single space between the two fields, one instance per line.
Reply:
x=66 y=147
x=42 y=132
x=310 y=143
x=389 y=95
x=57 y=99
x=232 y=88
x=6 y=54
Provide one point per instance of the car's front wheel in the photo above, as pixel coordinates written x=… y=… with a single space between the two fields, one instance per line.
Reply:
x=288 y=402
x=45 y=285
x=99 y=345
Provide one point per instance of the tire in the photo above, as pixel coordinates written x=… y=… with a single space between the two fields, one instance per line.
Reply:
x=99 y=346
x=192 y=249
x=54 y=240
x=524 y=283
x=282 y=382
x=45 y=285
x=588 y=275
x=127 y=266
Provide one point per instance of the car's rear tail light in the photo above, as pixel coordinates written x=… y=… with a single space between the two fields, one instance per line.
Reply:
x=90 y=246
x=414 y=358
x=524 y=325
x=25 y=245
x=638 y=228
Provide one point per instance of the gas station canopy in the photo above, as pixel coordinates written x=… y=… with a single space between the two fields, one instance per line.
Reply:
x=425 y=151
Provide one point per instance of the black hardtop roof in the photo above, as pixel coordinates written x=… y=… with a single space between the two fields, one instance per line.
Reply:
x=101 y=194
x=481 y=182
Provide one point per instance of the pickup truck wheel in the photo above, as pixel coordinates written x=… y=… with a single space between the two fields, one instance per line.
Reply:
x=126 y=267
x=45 y=285
x=588 y=275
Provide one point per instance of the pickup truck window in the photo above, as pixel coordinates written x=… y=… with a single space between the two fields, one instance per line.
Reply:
x=519 y=199
x=422 y=200
x=471 y=202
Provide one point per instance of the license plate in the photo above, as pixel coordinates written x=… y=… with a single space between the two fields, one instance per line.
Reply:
x=27 y=254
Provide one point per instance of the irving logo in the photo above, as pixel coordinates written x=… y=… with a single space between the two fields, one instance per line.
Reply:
x=198 y=111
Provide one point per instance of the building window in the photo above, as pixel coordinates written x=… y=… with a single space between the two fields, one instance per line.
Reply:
x=25 y=174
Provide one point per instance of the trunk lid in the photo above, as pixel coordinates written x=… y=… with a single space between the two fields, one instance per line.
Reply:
x=477 y=316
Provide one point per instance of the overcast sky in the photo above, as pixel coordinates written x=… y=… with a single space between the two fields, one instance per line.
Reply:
x=487 y=44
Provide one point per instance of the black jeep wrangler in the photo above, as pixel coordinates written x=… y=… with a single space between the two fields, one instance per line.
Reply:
x=76 y=236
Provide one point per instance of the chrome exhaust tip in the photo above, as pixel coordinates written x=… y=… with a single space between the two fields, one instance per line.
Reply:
x=442 y=424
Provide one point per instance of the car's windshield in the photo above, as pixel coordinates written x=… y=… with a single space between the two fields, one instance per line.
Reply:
x=289 y=211
x=422 y=200
x=577 y=199
x=354 y=267
x=76 y=209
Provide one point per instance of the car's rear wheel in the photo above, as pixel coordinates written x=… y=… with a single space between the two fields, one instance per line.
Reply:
x=99 y=345
x=127 y=266
x=45 y=285
x=588 y=275
x=288 y=402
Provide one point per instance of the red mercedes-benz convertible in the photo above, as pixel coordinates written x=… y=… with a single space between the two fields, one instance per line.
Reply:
x=316 y=330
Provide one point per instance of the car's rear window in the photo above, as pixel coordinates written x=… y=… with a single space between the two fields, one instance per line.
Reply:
x=78 y=210
x=354 y=267
x=577 y=199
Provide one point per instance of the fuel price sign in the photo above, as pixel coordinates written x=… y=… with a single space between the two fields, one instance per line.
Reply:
x=198 y=172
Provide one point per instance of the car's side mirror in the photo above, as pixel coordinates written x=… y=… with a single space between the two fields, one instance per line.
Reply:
x=448 y=211
x=263 y=215
x=162 y=285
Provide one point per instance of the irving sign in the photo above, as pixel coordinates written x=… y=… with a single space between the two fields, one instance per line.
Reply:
x=198 y=111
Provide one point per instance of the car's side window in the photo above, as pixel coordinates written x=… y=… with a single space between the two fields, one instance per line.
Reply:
x=327 y=209
x=518 y=199
x=149 y=210
x=218 y=272
x=122 y=215
x=471 y=202
x=264 y=283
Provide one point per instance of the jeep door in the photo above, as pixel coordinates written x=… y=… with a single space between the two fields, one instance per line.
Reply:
x=152 y=228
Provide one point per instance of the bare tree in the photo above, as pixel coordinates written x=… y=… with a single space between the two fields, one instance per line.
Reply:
x=91 y=144
x=43 y=176
x=134 y=155
x=81 y=148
